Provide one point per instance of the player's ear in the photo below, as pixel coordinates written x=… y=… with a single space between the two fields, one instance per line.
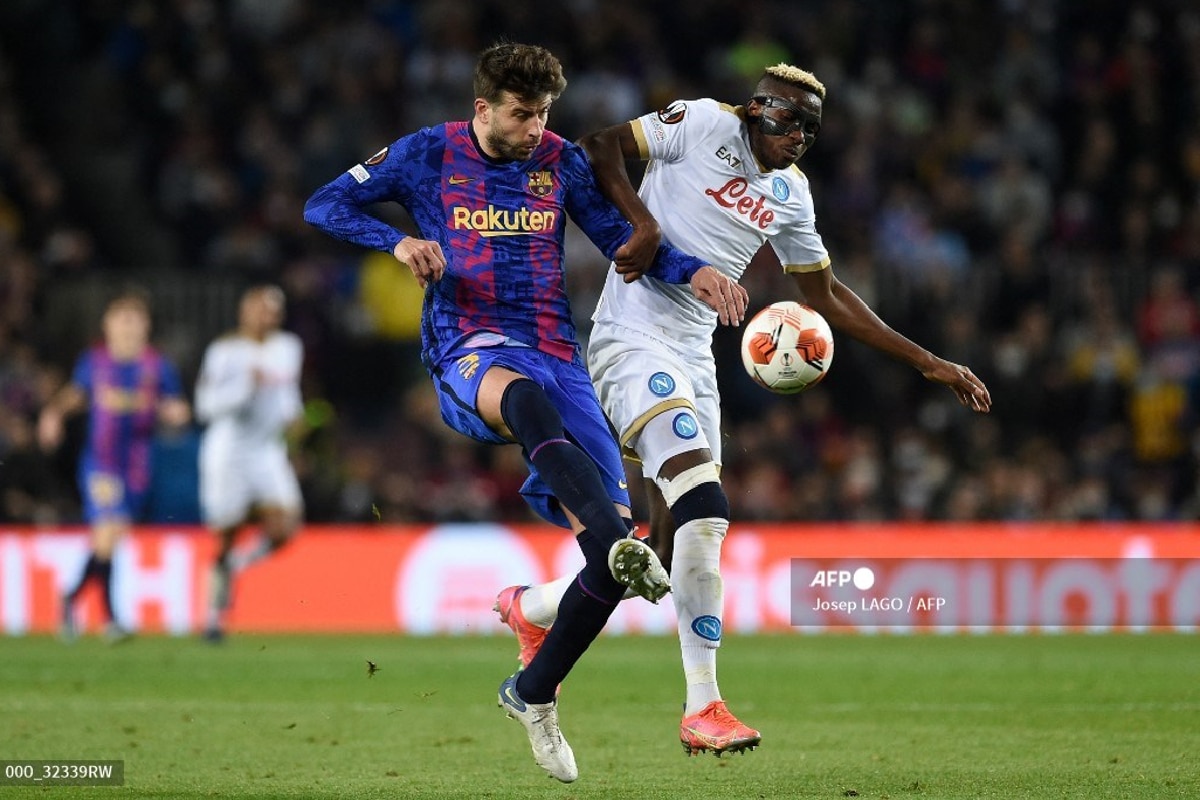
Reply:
x=482 y=110
x=754 y=109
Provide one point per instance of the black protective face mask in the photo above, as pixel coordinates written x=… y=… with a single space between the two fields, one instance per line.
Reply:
x=805 y=121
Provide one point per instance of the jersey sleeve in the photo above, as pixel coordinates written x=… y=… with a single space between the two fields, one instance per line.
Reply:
x=600 y=220
x=799 y=246
x=337 y=207
x=291 y=402
x=224 y=386
x=81 y=374
x=668 y=134
x=170 y=385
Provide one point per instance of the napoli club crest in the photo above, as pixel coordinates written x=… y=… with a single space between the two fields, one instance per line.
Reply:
x=780 y=189
x=685 y=426
x=661 y=384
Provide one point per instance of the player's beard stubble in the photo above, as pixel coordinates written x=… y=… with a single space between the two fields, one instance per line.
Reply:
x=506 y=149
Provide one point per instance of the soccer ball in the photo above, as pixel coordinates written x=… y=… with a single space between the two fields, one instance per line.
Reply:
x=787 y=347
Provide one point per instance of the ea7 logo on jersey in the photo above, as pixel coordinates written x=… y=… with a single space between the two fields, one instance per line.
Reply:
x=726 y=155
x=735 y=195
x=673 y=113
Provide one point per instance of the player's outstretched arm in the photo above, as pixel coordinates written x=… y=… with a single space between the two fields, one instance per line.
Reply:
x=51 y=422
x=601 y=221
x=608 y=150
x=847 y=313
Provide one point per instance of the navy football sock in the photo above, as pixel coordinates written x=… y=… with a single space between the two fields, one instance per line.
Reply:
x=89 y=569
x=104 y=576
x=567 y=470
x=582 y=613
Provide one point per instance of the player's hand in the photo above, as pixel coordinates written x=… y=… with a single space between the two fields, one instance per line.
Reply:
x=969 y=390
x=633 y=258
x=174 y=412
x=50 y=430
x=423 y=257
x=722 y=294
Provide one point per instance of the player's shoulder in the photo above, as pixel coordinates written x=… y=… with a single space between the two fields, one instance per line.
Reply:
x=699 y=110
x=700 y=117
x=795 y=175
x=554 y=146
x=282 y=338
x=402 y=151
x=157 y=360
x=558 y=154
x=226 y=338
x=433 y=133
x=226 y=342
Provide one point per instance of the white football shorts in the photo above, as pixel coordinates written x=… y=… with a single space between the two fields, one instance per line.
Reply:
x=662 y=400
x=231 y=485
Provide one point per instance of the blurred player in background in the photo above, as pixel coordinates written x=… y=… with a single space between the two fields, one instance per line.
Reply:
x=490 y=198
x=721 y=181
x=128 y=388
x=248 y=395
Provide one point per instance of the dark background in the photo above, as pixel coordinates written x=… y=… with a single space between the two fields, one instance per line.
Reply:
x=1014 y=185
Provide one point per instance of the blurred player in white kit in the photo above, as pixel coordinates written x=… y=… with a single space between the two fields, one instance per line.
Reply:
x=248 y=395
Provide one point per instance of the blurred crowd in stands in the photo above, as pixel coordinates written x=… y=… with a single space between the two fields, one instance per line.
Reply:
x=1015 y=184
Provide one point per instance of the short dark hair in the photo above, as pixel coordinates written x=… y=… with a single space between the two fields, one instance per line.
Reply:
x=130 y=295
x=528 y=71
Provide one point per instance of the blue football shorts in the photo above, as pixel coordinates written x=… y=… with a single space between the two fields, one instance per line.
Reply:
x=106 y=496
x=569 y=388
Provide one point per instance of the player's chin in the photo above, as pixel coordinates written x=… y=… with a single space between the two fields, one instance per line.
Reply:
x=782 y=161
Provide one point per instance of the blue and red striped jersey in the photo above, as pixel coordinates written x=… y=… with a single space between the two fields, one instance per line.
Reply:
x=123 y=399
x=500 y=224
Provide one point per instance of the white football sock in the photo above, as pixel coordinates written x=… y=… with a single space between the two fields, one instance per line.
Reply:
x=257 y=550
x=539 y=603
x=699 y=597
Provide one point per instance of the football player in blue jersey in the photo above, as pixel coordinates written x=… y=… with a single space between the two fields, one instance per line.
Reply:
x=128 y=388
x=490 y=197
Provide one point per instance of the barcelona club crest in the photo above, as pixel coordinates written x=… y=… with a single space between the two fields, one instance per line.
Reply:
x=541 y=183
x=467 y=365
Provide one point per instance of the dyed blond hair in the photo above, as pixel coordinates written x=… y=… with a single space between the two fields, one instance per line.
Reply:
x=797 y=77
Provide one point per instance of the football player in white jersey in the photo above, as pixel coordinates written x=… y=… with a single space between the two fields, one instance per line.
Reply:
x=720 y=182
x=248 y=394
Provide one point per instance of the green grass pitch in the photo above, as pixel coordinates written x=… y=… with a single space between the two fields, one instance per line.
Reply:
x=842 y=716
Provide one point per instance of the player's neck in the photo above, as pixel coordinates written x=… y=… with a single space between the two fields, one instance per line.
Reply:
x=481 y=146
x=125 y=352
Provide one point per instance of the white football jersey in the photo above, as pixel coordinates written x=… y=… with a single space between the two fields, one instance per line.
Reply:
x=712 y=199
x=248 y=392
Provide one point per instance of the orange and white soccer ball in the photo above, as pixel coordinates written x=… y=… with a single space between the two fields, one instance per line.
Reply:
x=787 y=347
